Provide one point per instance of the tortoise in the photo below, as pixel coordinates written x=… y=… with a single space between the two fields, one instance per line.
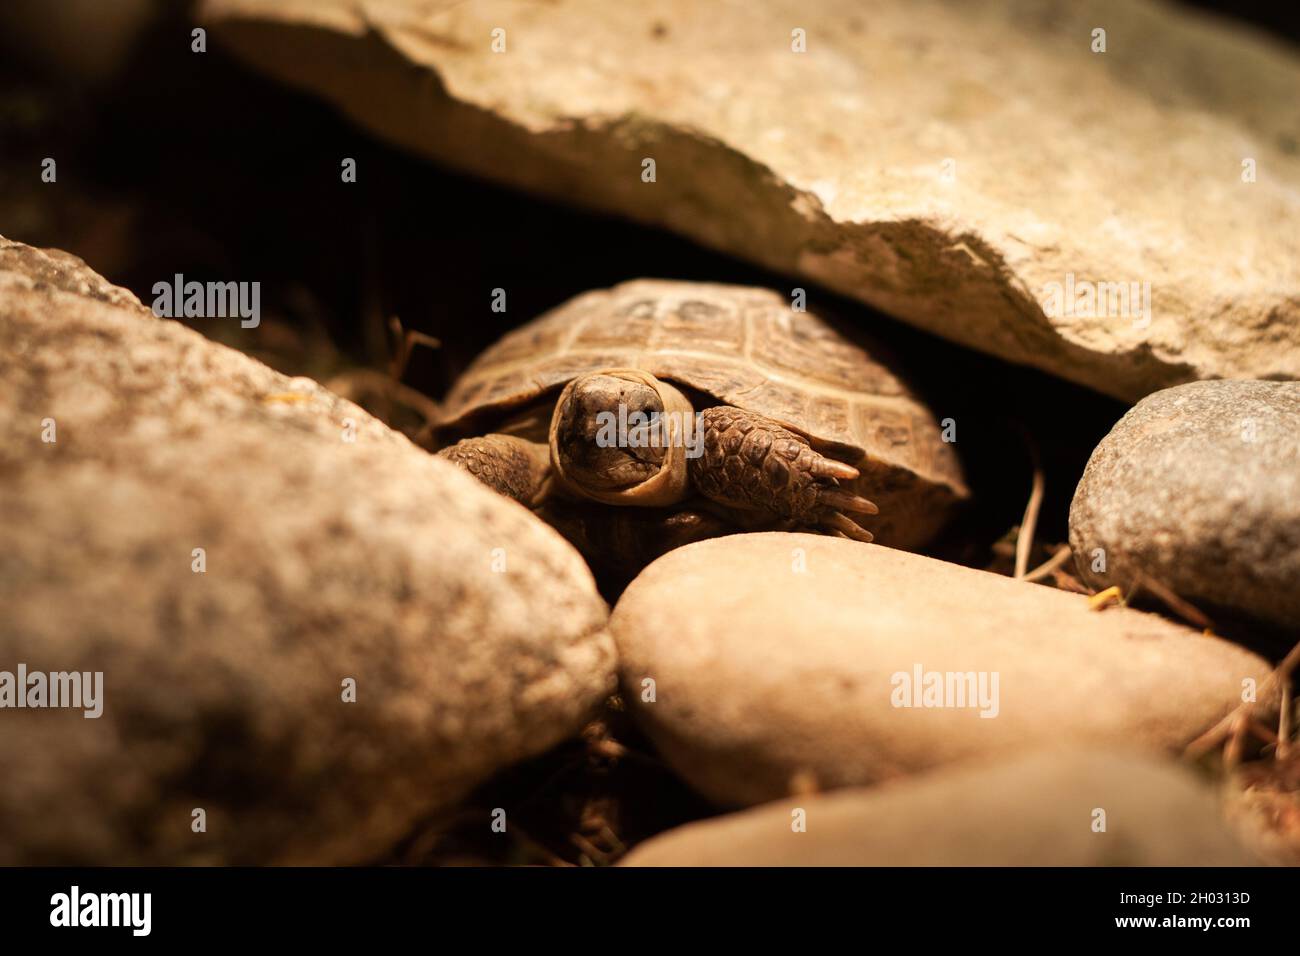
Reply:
x=710 y=409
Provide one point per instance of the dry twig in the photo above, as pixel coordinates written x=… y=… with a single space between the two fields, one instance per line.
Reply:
x=1234 y=729
x=1025 y=540
x=1184 y=609
x=1050 y=565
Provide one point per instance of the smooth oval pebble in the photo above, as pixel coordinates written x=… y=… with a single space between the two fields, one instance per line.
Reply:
x=314 y=638
x=1198 y=487
x=1071 y=808
x=775 y=661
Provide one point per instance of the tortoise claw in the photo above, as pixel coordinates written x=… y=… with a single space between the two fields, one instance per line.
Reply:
x=837 y=522
x=842 y=500
x=837 y=501
x=824 y=467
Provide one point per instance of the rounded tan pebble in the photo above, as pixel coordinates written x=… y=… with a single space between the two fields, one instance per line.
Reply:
x=1072 y=808
x=774 y=659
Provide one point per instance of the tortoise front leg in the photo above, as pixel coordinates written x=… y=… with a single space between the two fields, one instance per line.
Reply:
x=752 y=463
x=515 y=467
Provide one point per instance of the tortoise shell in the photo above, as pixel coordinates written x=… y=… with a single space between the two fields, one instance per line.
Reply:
x=745 y=347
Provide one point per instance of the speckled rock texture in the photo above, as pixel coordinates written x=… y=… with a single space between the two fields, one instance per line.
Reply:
x=956 y=164
x=472 y=631
x=1198 y=487
x=779 y=661
x=1034 y=810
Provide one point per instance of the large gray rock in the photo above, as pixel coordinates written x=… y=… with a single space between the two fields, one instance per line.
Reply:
x=1198 y=488
x=326 y=560
x=1039 y=810
x=953 y=164
x=762 y=663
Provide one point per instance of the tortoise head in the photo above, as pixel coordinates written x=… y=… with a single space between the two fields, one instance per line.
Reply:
x=612 y=439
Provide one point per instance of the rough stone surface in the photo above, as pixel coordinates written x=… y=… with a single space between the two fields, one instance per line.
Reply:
x=325 y=560
x=1198 y=487
x=1037 y=810
x=774 y=658
x=945 y=162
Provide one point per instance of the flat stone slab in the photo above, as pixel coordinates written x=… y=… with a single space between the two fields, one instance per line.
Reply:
x=974 y=169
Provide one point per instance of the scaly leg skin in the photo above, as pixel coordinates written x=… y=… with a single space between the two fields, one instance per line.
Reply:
x=515 y=467
x=752 y=463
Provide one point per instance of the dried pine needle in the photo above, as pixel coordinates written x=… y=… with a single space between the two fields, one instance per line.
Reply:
x=1112 y=595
